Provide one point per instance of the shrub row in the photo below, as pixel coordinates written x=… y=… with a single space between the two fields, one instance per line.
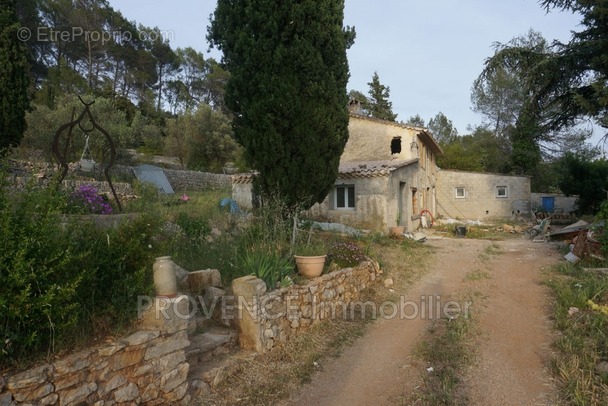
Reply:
x=63 y=283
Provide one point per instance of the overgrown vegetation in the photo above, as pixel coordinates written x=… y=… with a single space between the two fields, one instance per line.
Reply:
x=14 y=78
x=581 y=363
x=65 y=281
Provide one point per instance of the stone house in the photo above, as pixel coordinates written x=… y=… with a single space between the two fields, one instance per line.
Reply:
x=387 y=177
x=482 y=196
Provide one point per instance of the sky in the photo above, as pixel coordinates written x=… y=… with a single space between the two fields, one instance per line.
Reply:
x=428 y=52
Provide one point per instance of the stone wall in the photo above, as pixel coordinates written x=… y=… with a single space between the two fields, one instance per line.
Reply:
x=148 y=366
x=266 y=319
x=184 y=181
x=121 y=188
x=181 y=180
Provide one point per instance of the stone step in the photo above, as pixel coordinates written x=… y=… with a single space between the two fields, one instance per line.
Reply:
x=201 y=323
x=216 y=341
x=213 y=372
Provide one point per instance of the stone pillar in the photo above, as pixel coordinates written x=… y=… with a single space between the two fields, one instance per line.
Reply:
x=168 y=315
x=247 y=291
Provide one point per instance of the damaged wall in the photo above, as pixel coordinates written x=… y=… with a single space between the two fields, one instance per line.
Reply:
x=479 y=196
x=370 y=139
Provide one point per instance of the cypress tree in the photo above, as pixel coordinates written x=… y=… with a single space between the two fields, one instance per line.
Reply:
x=287 y=90
x=13 y=77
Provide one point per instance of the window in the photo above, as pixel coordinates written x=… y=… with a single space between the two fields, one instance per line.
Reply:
x=460 y=193
x=396 y=145
x=501 y=191
x=344 y=197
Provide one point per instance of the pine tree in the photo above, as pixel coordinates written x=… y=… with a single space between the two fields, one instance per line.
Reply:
x=287 y=90
x=13 y=77
x=442 y=128
x=380 y=107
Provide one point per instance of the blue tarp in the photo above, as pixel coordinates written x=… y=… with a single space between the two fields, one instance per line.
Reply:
x=229 y=204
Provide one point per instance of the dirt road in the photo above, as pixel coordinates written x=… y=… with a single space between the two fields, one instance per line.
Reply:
x=510 y=366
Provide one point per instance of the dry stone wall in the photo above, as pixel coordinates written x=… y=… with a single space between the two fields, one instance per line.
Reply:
x=181 y=180
x=184 y=181
x=265 y=319
x=146 y=367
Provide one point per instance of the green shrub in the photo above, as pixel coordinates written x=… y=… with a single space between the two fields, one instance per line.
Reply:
x=603 y=236
x=269 y=265
x=194 y=227
x=147 y=195
x=63 y=282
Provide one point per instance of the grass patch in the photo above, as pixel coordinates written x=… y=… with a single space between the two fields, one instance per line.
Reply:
x=489 y=251
x=493 y=249
x=581 y=363
x=446 y=352
x=477 y=275
x=403 y=261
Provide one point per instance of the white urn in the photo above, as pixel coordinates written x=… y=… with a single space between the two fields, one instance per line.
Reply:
x=165 y=281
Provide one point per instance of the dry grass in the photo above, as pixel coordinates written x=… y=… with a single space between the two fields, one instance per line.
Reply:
x=269 y=378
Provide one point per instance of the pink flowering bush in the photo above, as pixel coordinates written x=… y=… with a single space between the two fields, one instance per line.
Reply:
x=346 y=254
x=86 y=200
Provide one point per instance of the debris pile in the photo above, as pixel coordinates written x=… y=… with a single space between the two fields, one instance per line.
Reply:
x=584 y=239
x=555 y=216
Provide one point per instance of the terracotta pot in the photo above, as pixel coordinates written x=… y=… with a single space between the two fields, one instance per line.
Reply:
x=165 y=281
x=396 y=231
x=310 y=267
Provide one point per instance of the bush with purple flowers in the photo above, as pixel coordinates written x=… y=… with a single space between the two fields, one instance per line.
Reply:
x=346 y=254
x=86 y=200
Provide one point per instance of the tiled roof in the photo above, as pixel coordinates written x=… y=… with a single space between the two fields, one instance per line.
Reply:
x=370 y=169
x=242 y=177
x=347 y=170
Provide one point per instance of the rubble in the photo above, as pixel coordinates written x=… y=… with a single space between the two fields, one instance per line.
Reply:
x=417 y=236
x=584 y=240
x=570 y=231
